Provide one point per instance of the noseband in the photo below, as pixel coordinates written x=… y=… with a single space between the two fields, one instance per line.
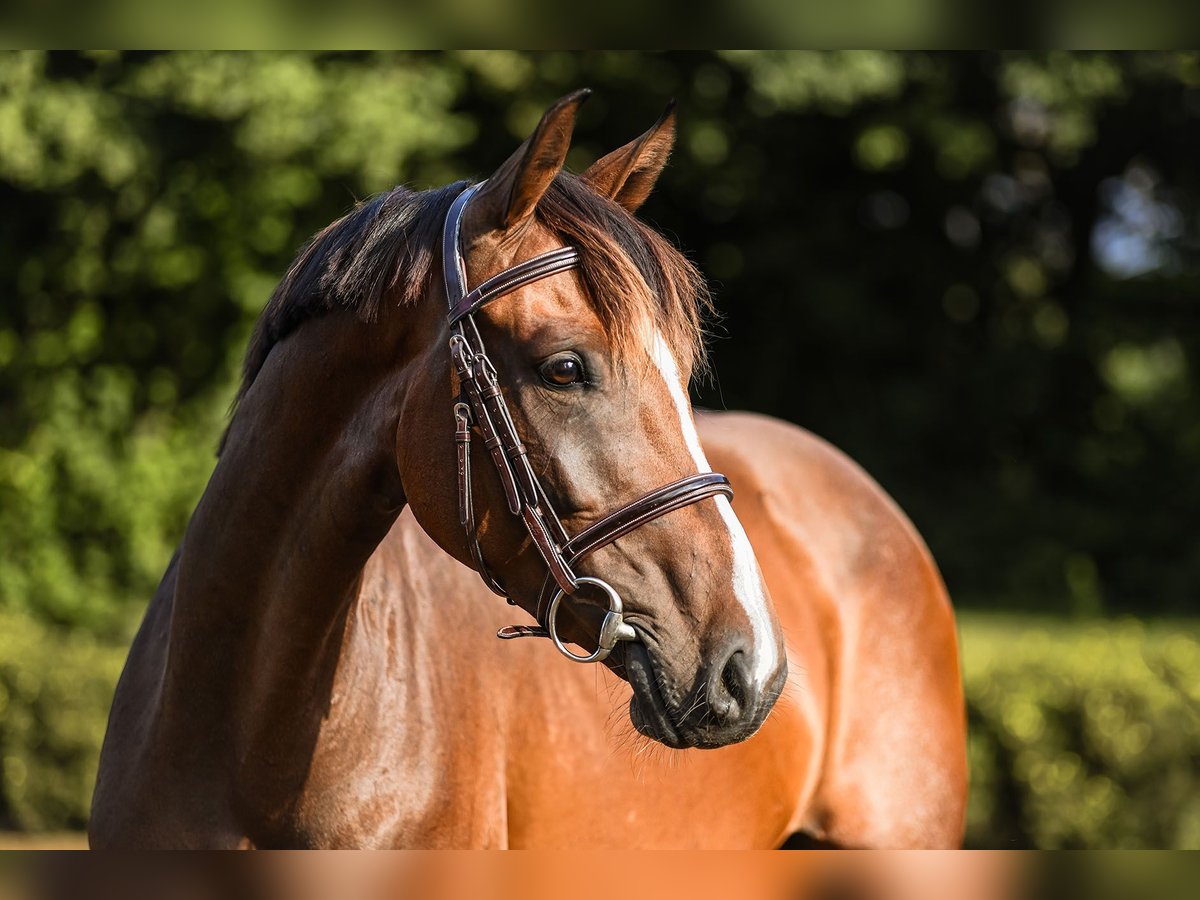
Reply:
x=481 y=408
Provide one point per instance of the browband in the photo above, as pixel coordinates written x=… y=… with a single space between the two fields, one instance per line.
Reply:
x=464 y=303
x=541 y=266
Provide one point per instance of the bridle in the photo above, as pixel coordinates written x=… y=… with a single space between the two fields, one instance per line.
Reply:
x=481 y=406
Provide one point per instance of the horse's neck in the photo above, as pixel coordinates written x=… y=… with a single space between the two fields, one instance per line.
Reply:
x=305 y=489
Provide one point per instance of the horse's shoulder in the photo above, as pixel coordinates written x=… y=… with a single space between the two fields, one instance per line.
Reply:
x=837 y=549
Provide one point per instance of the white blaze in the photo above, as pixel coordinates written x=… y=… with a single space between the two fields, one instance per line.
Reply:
x=747 y=580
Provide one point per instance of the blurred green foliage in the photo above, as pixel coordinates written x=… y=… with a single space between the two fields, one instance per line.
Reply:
x=151 y=204
x=1083 y=737
x=55 y=689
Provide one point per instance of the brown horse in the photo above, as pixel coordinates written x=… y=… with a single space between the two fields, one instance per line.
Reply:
x=315 y=671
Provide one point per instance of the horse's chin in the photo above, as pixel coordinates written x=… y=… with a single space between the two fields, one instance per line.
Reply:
x=648 y=710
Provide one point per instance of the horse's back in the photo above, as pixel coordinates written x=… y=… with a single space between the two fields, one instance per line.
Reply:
x=870 y=631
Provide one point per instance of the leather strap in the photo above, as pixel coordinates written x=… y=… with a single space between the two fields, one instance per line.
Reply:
x=466 y=500
x=541 y=266
x=462 y=440
x=632 y=516
x=657 y=503
x=469 y=376
x=454 y=272
x=464 y=303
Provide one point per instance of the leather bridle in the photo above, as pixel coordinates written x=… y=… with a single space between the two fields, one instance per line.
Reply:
x=481 y=407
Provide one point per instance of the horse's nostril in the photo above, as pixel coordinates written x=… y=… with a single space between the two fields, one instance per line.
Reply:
x=733 y=679
x=730 y=690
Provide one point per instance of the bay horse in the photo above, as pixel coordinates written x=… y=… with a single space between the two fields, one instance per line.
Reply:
x=318 y=666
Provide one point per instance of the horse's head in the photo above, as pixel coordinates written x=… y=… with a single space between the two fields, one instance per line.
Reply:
x=594 y=364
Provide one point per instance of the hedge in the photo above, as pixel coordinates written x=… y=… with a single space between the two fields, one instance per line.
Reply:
x=55 y=690
x=1081 y=736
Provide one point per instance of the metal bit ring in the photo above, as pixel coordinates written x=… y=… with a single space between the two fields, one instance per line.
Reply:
x=613 y=628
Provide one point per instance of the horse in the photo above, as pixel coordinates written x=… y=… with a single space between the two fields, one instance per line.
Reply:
x=318 y=667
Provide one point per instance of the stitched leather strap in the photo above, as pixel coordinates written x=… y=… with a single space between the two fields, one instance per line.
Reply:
x=665 y=499
x=509 y=632
x=466 y=499
x=632 y=516
x=453 y=268
x=542 y=266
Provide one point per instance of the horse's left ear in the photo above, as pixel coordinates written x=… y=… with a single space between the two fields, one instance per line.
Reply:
x=627 y=175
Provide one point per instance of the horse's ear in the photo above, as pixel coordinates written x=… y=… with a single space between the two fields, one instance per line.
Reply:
x=508 y=198
x=627 y=175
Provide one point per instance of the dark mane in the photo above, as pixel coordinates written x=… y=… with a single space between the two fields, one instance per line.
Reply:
x=386 y=245
x=389 y=247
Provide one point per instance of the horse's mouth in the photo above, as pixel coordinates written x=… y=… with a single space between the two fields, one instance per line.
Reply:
x=648 y=709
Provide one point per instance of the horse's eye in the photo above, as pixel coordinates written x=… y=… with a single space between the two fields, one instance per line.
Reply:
x=562 y=371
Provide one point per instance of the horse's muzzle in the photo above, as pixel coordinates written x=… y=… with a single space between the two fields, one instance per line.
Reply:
x=725 y=706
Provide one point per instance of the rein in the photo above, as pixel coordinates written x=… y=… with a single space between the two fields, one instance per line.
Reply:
x=481 y=409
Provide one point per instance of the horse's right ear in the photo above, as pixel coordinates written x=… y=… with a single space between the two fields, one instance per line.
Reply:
x=627 y=175
x=510 y=195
